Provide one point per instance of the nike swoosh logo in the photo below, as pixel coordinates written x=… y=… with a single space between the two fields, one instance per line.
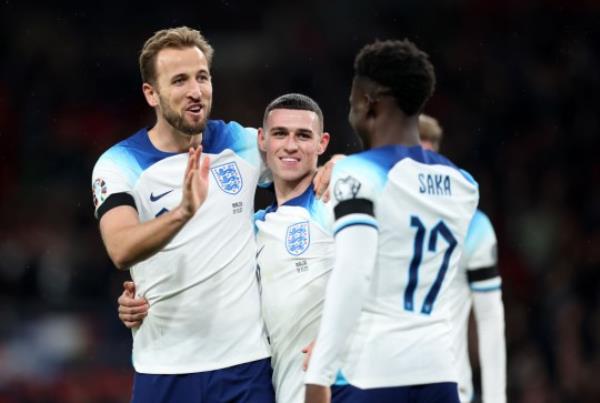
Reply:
x=160 y=196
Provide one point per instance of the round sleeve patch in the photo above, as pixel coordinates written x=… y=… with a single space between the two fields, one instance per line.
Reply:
x=346 y=188
x=99 y=191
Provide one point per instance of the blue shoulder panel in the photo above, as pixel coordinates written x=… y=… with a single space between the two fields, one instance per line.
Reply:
x=316 y=208
x=388 y=156
x=219 y=136
x=479 y=228
x=364 y=167
x=135 y=154
x=308 y=200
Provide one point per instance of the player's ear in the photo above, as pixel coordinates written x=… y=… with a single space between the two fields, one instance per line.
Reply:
x=261 y=139
x=372 y=106
x=150 y=94
x=324 y=142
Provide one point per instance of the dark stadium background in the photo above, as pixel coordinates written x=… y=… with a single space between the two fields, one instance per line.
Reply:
x=517 y=95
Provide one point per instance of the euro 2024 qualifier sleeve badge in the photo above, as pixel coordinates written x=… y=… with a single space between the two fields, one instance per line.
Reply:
x=346 y=188
x=99 y=191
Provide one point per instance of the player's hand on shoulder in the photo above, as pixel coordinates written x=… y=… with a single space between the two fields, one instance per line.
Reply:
x=195 y=183
x=323 y=178
x=132 y=310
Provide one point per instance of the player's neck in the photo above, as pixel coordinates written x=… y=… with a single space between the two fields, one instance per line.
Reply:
x=395 y=129
x=287 y=190
x=168 y=139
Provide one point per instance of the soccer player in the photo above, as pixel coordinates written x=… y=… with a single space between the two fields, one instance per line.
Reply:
x=477 y=284
x=402 y=215
x=294 y=240
x=175 y=206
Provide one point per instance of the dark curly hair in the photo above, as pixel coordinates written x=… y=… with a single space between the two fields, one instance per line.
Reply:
x=401 y=67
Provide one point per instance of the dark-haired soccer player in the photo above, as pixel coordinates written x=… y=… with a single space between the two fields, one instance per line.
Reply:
x=402 y=215
x=477 y=284
x=294 y=238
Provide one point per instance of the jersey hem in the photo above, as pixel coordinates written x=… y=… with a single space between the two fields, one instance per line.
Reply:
x=188 y=369
x=394 y=382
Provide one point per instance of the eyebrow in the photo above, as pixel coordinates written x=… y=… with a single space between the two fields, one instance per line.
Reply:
x=304 y=131
x=183 y=75
x=287 y=129
x=179 y=75
x=279 y=128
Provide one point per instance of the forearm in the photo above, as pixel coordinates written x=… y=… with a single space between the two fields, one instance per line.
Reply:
x=130 y=242
x=489 y=316
x=356 y=250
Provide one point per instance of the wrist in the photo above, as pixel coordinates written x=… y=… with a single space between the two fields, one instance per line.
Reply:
x=182 y=215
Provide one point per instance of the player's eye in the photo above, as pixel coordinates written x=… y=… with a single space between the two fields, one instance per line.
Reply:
x=305 y=136
x=279 y=133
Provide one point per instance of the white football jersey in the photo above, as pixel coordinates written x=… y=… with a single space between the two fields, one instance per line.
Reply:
x=295 y=256
x=204 y=299
x=477 y=272
x=422 y=207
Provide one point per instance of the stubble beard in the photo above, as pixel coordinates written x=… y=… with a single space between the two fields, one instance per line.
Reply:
x=177 y=120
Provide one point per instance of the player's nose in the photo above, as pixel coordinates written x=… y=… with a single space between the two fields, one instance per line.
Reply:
x=194 y=91
x=290 y=143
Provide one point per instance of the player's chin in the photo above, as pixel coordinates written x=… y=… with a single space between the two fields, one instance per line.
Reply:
x=293 y=175
x=195 y=118
x=193 y=128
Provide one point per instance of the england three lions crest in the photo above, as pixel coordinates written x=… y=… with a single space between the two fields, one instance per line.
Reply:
x=228 y=177
x=297 y=238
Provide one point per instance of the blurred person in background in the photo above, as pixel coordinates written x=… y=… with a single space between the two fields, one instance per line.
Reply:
x=476 y=285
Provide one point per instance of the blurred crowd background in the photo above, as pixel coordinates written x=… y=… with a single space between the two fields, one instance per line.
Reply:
x=517 y=95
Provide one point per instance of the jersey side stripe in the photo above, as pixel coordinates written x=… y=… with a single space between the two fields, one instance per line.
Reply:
x=487 y=285
x=354 y=219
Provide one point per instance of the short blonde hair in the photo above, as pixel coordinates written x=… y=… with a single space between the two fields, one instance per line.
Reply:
x=176 y=38
x=430 y=130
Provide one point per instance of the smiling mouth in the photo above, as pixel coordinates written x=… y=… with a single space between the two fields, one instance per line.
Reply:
x=194 y=109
